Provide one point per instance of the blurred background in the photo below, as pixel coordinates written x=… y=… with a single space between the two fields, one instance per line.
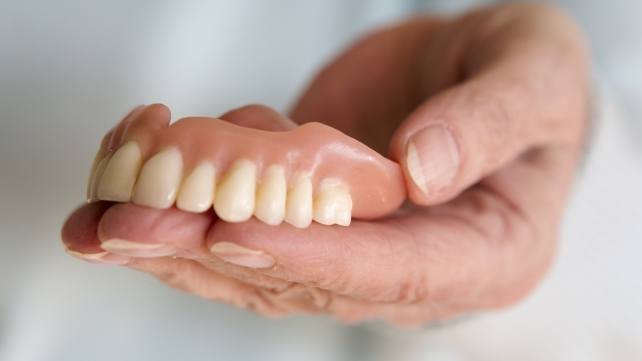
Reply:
x=69 y=69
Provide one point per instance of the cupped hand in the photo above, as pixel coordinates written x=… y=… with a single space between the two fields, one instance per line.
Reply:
x=486 y=114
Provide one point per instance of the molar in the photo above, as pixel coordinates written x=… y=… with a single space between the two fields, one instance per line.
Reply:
x=333 y=204
x=271 y=195
x=197 y=192
x=117 y=181
x=299 y=202
x=159 y=180
x=234 y=200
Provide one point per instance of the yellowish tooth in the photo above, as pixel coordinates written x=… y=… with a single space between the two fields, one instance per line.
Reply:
x=117 y=181
x=234 y=200
x=197 y=192
x=298 y=209
x=270 y=197
x=159 y=179
x=94 y=178
x=92 y=175
x=333 y=204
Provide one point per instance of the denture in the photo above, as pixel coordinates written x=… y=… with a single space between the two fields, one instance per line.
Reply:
x=310 y=173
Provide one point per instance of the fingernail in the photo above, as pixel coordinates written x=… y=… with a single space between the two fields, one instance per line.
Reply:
x=99 y=257
x=137 y=249
x=432 y=158
x=241 y=256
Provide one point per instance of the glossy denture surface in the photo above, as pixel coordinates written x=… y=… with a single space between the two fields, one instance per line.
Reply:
x=311 y=172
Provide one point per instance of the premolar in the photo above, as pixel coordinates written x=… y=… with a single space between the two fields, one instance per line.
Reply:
x=234 y=200
x=159 y=180
x=333 y=204
x=271 y=194
x=117 y=181
x=299 y=203
x=197 y=191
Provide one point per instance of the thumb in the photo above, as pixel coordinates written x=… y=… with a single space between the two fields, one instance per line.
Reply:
x=457 y=138
x=526 y=98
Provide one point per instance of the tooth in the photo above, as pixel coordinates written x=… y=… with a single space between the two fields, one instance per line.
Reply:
x=333 y=204
x=120 y=174
x=197 y=192
x=234 y=200
x=299 y=203
x=92 y=174
x=159 y=180
x=270 y=197
x=97 y=172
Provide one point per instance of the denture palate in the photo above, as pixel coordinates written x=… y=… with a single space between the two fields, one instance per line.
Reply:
x=311 y=173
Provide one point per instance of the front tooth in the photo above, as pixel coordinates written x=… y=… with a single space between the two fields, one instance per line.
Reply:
x=333 y=204
x=299 y=203
x=197 y=192
x=234 y=200
x=120 y=174
x=270 y=197
x=94 y=178
x=159 y=180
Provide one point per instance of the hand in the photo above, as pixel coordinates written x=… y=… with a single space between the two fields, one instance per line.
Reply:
x=485 y=113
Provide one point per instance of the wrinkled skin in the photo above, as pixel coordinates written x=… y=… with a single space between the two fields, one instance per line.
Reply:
x=510 y=82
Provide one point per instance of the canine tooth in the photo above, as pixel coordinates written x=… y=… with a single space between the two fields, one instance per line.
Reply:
x=234 y=200
x=270 y=197
x=333 y=204
x=197 y=192
x=117 y=181
x=159 y=179
x=299 y=203
x=94 y=178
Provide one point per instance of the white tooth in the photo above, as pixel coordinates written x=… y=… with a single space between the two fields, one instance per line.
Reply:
x=234 y=200
x=94 y=178
x=159 y=180
x=299 y=203
x=120 y=174
x=270 y=197
x=333 y=204
x=197 y=192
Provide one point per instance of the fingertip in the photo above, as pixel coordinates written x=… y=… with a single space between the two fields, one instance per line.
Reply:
x=126 y=222
x=259 y=116
x=79 y=232
x=154 y=116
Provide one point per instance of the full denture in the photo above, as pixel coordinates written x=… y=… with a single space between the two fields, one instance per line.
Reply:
x=310 y=173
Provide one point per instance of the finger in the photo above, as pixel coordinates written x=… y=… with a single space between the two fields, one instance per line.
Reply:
x=259 y=117
x=220 y=281
x=520 y=93
x=141 y=232
x=136 y=231
x=361 y=261
x=415 y=259
x=192 y=277
x=483 y=250
x=79 y=235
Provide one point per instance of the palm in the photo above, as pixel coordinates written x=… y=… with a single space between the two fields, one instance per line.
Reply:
x=482 y=243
